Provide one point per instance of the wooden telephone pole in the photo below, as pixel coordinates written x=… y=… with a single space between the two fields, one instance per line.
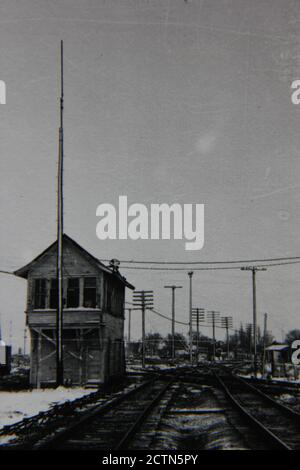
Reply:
x=173 y=317
x=265 y=344
x=198 y=316
x=226 y=322
x=143 y=299
x=253 y=269
x=213 y=318
x=190 y=274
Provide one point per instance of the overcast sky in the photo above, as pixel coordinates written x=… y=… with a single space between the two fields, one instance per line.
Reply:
x=165 y=101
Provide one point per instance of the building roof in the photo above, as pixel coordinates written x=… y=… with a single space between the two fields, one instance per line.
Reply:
x=23 y=272
x=277 y=347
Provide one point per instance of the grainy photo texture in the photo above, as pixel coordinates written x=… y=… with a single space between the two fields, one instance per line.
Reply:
x=149 y=245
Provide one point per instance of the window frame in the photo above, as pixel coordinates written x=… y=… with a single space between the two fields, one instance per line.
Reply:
x=75 y=290
x=51 y=291
x=87 y=289
x=40 y=293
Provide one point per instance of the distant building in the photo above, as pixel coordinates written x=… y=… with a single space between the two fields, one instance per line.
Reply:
x=93 y=316
x=278 y=355
x=5 y=358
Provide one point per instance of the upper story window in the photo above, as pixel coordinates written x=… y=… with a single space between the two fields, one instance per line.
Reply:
x=73 y=292
x=40 y=293
x=77 y=292
x=89 y=292
x=53 y=301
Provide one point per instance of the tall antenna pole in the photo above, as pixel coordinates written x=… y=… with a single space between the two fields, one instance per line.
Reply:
x=59 y=316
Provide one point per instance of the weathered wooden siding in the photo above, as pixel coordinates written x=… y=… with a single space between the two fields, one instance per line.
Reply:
x=72 y=318
x=84 y=352
x=114 y=332
x=75 y=265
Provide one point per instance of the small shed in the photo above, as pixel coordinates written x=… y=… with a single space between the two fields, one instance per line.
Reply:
x=277 y=354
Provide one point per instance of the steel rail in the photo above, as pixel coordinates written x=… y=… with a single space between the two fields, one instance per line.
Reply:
x=132 y=431
x=100 y=410
x=279 y=443
x=294 y=414
x=96 y=411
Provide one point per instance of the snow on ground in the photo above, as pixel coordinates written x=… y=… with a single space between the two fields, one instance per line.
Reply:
x=273 y=379
x=14 y=406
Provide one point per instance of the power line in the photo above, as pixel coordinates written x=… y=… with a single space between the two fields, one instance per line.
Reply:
x=178 y=321
x=214 y=268
x=181 y=322
x=211 y=262
x=271 y=262
x=168 y=318
x=162 y=315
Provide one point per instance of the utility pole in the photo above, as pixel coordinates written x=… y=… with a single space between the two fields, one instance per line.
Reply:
x=129 y=326
x=226 y=322
x=10 y=333
x=190 y=274
x=213 y=317
x=25 y=338
x=249 y=337
x=173 y=318
x=199 y=316
x=143 y=299
x=253 y=269
x=265 y=341
x=59 y=313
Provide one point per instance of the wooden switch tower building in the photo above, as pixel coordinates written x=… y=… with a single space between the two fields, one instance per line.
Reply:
x=93 y=316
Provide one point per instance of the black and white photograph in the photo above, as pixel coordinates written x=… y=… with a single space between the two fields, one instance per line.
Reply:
x=150 y=229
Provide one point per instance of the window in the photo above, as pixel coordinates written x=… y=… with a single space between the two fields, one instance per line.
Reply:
x=89 y=293
x=53 y=294
x=73 y=292
x=40 y=293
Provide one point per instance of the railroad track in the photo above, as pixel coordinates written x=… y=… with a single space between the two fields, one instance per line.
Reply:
x=113 y=425
x=132 y=418
x=277 y=424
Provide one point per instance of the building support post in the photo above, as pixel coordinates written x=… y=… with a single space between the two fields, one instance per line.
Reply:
x=39 y=360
